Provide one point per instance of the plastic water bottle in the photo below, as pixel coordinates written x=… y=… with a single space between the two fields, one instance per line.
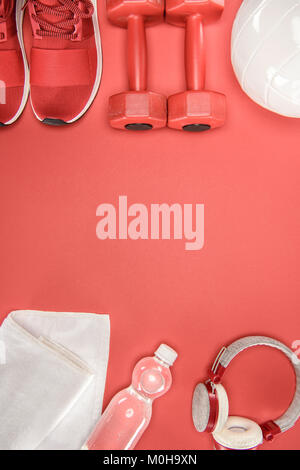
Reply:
x=129 y=412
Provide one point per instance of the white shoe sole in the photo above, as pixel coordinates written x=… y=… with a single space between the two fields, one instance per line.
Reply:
x=19 y=21
x=99 y=63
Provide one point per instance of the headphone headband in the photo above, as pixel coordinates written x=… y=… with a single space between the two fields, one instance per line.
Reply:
x=225 y=356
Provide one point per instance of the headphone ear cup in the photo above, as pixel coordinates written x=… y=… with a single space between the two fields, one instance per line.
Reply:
x=239 y=434
x=223 y=408
x=201 y=407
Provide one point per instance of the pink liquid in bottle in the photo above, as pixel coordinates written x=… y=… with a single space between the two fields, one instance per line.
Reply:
x=129 y=412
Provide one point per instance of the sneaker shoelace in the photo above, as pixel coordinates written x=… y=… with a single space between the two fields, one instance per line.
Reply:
x=66 y=15
x=6 y=8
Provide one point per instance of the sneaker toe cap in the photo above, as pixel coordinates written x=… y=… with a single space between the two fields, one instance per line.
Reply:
x=62 y=83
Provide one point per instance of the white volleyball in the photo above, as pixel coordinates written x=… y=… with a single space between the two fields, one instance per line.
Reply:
x=265 y=53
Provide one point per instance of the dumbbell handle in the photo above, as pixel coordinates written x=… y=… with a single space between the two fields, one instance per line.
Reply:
x=194 y=53
x=137 y=53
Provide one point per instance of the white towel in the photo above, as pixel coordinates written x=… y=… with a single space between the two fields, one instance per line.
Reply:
x=52 y=377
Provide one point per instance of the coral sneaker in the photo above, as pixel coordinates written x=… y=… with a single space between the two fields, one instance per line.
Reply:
x=65 y=59
x=14 y=75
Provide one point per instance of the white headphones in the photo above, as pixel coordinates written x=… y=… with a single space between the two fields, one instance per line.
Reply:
x=210 y=406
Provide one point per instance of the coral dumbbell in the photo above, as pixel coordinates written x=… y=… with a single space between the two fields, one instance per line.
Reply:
x=138 y=108
x=196 y=109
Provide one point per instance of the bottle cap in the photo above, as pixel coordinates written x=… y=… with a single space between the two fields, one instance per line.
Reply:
x=166 y=354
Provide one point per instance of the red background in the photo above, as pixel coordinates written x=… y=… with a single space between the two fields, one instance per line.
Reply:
x=246 y=279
